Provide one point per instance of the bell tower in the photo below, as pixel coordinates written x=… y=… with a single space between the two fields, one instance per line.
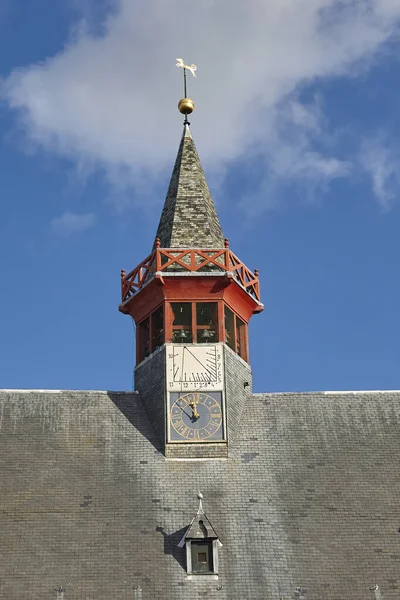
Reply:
x=191 y=299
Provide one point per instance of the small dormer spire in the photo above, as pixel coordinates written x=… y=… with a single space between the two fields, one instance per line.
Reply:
x=200 y=509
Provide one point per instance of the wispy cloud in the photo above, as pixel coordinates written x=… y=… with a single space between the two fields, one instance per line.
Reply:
x=381 y=160
x=107 y=99
x=70 y=223
x=301 y=144
x=299 y=152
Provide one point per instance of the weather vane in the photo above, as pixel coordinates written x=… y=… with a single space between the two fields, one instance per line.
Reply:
x=186 y=105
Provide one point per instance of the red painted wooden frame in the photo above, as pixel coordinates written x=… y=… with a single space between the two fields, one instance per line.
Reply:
x=169 y=329
x=162 y=260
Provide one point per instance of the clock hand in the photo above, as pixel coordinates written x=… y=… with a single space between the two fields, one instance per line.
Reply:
x=195 y=399
x=194 y=409
x=183 y=409
x=193 y=405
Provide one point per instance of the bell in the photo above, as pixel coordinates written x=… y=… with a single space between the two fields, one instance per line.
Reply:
x=181 y=336
x=206 y=336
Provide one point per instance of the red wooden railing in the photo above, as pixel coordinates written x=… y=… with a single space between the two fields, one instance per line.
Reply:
x=193 y=260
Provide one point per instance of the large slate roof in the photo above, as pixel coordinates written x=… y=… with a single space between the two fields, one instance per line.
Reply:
x=188 y=218
x=306 y=505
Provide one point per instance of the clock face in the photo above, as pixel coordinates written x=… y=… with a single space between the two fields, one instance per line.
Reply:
x=196 y=417
x=194 y=367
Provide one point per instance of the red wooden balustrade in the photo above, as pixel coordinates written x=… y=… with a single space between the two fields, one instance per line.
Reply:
x=192 y=260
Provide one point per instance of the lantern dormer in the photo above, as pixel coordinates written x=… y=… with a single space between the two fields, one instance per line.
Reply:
x=191 y=300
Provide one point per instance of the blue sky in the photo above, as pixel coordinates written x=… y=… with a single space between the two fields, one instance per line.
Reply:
x=297 y=125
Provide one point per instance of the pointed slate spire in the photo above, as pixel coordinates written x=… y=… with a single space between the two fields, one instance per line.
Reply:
x=189 y=218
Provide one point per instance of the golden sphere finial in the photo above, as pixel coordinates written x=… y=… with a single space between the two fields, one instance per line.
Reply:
x=186 y=106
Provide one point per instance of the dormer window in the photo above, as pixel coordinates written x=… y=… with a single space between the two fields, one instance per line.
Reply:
x=202 y=545
x=202 y=555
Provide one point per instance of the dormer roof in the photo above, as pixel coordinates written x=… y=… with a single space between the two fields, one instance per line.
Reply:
x=200 y=527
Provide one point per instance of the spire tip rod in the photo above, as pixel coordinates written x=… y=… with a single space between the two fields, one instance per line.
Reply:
x=186 y=105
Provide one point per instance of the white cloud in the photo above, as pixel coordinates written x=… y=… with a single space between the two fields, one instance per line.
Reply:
x=381 y=161
x=69 y=223
x=298 y=151
x=292 y=153
x=109 y=100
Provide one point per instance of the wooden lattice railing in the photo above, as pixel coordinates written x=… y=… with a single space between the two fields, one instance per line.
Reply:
x=164 y=260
